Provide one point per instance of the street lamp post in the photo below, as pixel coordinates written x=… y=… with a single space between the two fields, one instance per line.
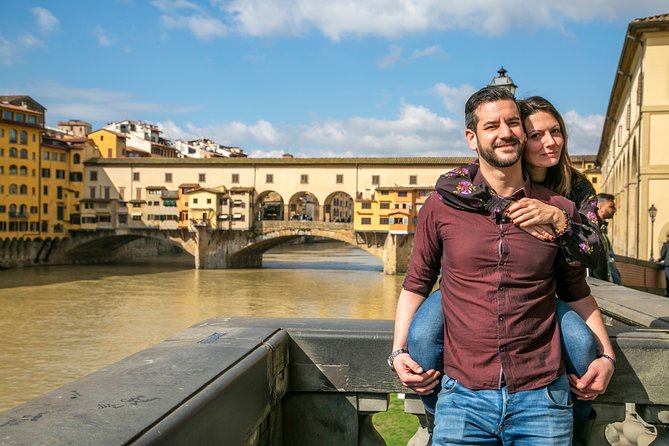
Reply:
x=652 y=211
x=503 y=81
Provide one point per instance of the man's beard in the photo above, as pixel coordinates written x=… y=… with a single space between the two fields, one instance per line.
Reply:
x=489 y=155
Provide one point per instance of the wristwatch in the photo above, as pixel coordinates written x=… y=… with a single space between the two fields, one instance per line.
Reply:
x=394 y=355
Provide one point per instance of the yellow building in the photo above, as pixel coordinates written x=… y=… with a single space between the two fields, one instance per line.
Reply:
x=209 y=207
x=587 y=165
x=111 y=144
x=81 y=149
x=633 y=149
x=390 y=209
x=21 y=124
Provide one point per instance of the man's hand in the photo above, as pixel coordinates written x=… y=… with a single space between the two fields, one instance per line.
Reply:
x=413 y=376
x=594 y=382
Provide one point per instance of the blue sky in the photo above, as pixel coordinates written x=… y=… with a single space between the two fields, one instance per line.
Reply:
x=311 y=77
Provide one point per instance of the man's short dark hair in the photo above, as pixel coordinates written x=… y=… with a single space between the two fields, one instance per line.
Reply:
x=602 y=197
x=483 y=96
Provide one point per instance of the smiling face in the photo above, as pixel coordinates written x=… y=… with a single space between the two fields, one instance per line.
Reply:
x=499 y=134
x=545 y=140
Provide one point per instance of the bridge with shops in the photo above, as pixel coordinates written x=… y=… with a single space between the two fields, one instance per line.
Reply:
x=211 y=249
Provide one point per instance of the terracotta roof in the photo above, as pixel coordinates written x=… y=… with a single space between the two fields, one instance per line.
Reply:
x=18 y=107
x=136 y=150
x=76 y=138
x=119 y=134
x=189 y=185
x=156 y=187
x=242 y=189
x=653 y=18
x=206 y=189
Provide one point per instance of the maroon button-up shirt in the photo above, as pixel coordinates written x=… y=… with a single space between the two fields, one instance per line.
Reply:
x=498 y=286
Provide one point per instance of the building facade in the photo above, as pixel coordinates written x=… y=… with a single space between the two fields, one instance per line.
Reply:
x=249 y=190
x=21 y=124
x=633 y=149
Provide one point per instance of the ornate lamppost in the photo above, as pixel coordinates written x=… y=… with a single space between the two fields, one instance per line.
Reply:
x=503 y=81
x=652 y=212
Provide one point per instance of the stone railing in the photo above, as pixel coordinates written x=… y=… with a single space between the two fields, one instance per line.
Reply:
x=247 y=381
x=279 y=225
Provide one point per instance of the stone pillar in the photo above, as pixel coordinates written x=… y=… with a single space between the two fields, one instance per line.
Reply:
x=223 y=249
x=396 y=253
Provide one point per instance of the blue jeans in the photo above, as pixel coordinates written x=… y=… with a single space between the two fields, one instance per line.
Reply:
x=426 y=345
x=541 y=417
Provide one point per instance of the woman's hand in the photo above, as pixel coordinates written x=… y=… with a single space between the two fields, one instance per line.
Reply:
x=536 y=218
x=530 y=212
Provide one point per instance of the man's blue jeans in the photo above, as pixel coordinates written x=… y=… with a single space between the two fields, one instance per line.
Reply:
x=426 y=345
x=541 y=417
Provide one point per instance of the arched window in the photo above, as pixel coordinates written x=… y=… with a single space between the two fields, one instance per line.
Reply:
x=13 y=170
x=13 y=153
x=24 y=137
x=23 y=171
x=12 y=209
x=24 y=189
x=24 y=154
x=23 y=209
x=76 y=159
x=13 y=190
x=12 y=136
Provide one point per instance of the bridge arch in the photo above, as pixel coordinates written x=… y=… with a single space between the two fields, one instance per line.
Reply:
x=304 y=205
x=98 y=247
x=338 y=207
x=269 y=206
x=269 y=240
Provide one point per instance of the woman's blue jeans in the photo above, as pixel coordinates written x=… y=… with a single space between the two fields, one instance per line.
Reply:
x=426 y=345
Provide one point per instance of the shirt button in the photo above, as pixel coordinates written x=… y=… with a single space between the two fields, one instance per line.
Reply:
x=501 y=349
x=501 y=263
x=501 y=318
x=500 y=288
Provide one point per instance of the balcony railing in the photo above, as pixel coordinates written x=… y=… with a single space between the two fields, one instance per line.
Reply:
x=18 y=215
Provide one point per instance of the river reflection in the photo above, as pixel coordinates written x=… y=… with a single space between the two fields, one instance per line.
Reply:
x=59 y=323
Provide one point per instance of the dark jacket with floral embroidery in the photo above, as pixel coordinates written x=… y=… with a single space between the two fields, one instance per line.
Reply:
x=580 y=244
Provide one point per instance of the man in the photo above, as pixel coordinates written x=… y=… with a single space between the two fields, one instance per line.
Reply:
x=664 y=257
x=504 y=381
x=606 y=209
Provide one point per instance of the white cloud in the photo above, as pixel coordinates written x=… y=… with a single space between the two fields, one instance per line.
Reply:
x=416 y=131
x=174 y=5
x=46 y=21
x=29 y=40
x=428 y=52
x=584 y=132
x=454 y=97
x=6 y=52
x=203 y=27
x=338 y=19
x=92 y=104
x=103 y=36
x=394 y=56
x=11 y=49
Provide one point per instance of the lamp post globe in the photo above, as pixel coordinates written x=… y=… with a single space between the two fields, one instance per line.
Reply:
x=503 y=81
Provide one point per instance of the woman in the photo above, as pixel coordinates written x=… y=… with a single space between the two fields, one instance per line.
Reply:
x=546 y=161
